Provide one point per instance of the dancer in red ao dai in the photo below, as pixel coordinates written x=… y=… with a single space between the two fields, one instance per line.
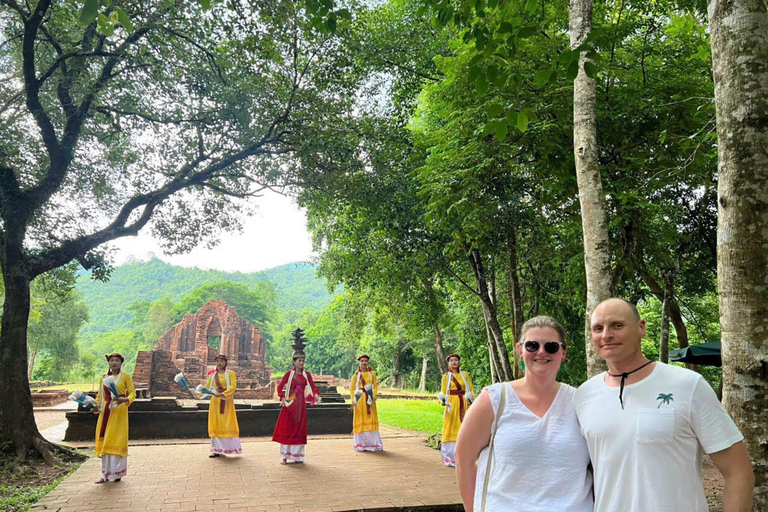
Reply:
x=296 y=390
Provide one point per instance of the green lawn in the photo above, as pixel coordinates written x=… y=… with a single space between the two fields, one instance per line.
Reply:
x=71 y=386
x=421 y=415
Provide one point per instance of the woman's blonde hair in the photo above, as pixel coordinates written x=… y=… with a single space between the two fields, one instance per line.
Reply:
x=543 y=321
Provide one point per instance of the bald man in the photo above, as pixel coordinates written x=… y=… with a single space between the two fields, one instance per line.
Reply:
x=647 y=425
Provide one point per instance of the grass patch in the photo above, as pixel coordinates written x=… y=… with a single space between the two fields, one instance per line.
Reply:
x=420 y=415
x=71 y=386
x=25 y=484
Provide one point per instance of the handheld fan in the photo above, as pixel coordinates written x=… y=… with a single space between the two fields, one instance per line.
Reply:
x=202 y=390
x=81 y=398
x=111 y=385
x=444 y=400
x=182 y=381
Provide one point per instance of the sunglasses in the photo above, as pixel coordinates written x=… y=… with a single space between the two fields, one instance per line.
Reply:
x=550 y=347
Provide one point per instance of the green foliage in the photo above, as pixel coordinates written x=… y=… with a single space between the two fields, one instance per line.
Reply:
x=474 y=151
x=136 y=285
x=273 y=300
x=453 y=135
x=253 y=305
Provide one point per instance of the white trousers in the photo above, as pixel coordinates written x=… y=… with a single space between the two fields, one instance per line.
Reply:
x=292 y=452
x=226 y=446
x=113 y=467
x=448 y=451
x=368 y=441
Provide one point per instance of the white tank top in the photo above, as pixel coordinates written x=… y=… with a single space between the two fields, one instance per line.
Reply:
x=539 y=464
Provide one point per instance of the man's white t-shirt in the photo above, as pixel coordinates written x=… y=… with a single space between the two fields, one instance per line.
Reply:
x=648 y=456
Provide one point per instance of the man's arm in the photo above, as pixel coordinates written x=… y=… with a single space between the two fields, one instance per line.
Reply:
x=736 y=468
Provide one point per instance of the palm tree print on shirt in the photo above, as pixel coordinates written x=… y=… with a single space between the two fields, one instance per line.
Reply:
x=665 y=399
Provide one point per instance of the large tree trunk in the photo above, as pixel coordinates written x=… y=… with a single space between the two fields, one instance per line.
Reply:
x=18 y=431
x=515 y=299
x=597 y=257
x=493 y=357
x=739 y=34
x=490 y=315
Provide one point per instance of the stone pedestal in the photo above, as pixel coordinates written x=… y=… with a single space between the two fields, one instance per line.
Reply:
x=166 y=419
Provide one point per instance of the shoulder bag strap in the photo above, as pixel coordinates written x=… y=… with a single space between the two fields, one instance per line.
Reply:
x=499 y=412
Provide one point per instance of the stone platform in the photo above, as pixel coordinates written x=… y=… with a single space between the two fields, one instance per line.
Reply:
x=49 y=397
x=407 y=476
x=164 y=418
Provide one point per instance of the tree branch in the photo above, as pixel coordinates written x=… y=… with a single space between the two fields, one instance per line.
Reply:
x=107 y=110
x=119 y=227
x=31 y=83
x=75 y=119
x=16 y=7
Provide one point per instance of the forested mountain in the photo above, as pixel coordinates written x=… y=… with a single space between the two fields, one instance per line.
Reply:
x=296 y=285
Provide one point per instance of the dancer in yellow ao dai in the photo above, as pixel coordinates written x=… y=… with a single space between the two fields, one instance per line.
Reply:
x=364 y=389
x=222 y=420
x=456 y=393
x=112 y=426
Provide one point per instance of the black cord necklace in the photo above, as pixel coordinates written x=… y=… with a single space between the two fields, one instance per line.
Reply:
x=623 y=378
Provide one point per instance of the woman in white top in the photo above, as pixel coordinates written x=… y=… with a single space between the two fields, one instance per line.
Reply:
x=540 y=461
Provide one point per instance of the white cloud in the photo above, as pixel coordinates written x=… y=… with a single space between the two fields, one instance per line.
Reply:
x=275 y=235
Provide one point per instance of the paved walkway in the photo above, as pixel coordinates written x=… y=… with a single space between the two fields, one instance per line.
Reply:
x=180 y=477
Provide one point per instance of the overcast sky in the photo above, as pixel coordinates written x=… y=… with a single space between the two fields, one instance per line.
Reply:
x=276 y=235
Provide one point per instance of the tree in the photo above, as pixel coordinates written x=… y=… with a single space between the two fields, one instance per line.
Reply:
x=164 y=115
x=740 y=67
x=54 y=335
x=597 y=253
x=255 y=305
x=361 y=191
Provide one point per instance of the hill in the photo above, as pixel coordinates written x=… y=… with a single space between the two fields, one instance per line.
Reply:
x=296 y=284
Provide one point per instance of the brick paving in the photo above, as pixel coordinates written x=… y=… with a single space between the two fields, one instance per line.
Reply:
x=408 y=475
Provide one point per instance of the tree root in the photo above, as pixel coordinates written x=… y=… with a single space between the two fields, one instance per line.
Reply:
x=39 y=448
x=54 y=454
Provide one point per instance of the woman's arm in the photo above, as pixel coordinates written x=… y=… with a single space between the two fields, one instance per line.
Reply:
x=311 y=382
x=131 y=389
x=475 y=434
x=375 y=387
x=443 y=389
x=97 y=407
x=282 y=384
x=230 y=391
